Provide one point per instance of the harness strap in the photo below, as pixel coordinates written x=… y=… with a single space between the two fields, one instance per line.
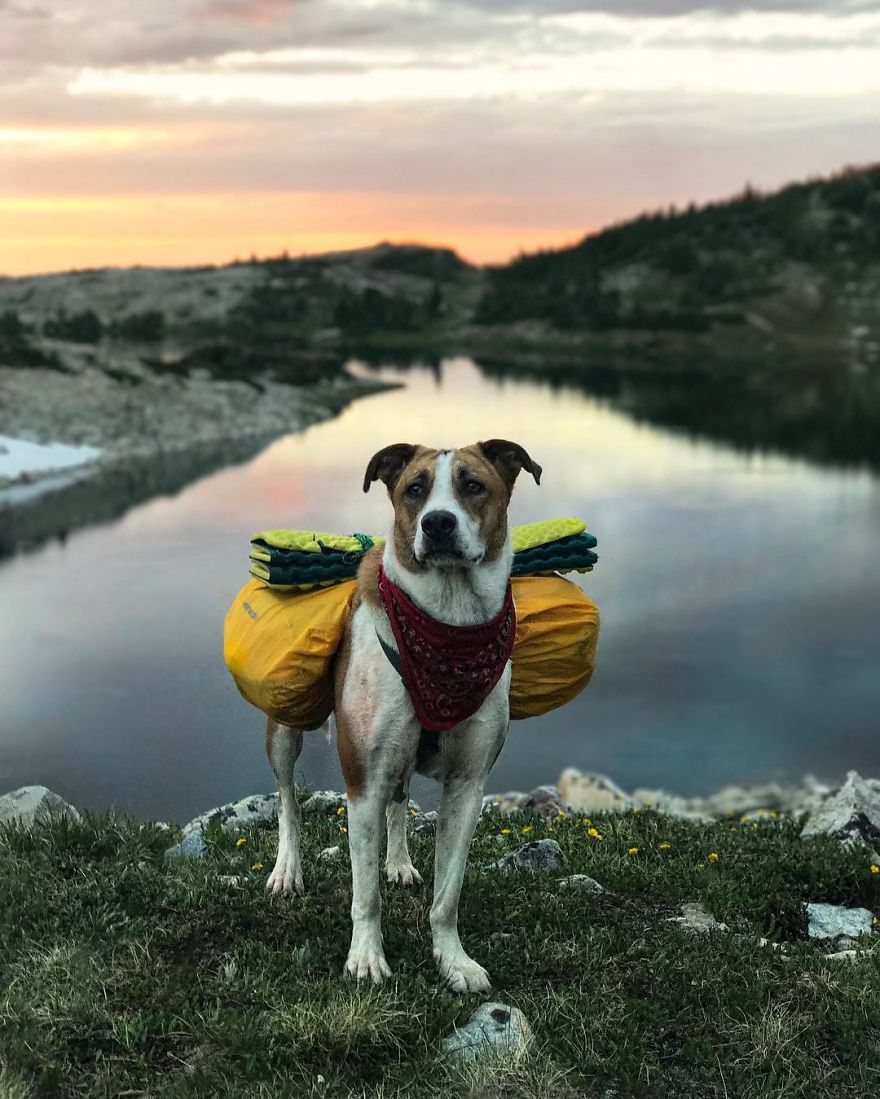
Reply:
x=392 y=654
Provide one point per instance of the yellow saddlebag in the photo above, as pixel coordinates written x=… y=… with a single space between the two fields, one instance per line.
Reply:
x=279 y=647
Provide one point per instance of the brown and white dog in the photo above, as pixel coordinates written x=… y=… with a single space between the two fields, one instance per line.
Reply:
x=449 y=551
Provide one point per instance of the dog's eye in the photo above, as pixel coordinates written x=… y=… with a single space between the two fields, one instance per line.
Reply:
x=473 y=488
x=415 y=490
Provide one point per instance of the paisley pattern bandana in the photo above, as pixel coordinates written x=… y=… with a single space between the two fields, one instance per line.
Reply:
x=449 y=671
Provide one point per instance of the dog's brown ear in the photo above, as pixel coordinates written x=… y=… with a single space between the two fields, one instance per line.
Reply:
x=388 y=464
x=509 y=458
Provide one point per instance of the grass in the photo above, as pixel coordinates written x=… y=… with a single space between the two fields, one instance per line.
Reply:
x=122 y=974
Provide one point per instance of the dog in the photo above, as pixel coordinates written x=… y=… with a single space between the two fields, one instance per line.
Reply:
x=443 y=570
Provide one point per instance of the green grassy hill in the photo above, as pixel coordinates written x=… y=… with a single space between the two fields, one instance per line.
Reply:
x=124 y=973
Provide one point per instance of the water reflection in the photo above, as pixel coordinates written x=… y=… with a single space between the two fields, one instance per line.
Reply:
x=739 y=598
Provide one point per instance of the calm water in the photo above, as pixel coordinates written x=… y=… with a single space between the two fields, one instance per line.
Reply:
x=740 y=599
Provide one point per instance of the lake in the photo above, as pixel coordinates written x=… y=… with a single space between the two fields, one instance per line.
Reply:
x=740 y=596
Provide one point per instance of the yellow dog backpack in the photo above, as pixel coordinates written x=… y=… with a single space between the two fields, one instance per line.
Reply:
x=280 y=644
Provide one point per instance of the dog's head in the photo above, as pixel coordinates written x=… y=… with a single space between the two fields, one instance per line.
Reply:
x=450 y=506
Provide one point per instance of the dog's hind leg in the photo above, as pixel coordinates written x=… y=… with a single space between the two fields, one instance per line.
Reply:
x=283 y=746
x=399 y=869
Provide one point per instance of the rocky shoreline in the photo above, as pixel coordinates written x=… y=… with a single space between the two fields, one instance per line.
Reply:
x=849 y=812
x=141 y=437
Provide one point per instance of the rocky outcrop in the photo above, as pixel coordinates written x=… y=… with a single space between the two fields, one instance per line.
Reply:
x=851 y=814
x=30 y=805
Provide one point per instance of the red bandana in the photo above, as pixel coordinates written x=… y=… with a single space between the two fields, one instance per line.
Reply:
x=449 y=671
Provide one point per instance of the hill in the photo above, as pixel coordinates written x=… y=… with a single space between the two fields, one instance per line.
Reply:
x=802 y=262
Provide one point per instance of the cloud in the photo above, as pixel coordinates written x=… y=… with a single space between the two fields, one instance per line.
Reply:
x=526 y=118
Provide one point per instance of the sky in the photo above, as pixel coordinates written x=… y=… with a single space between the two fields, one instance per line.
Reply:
x=201 y=131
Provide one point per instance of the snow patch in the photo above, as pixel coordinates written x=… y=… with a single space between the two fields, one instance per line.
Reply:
x=20 y=458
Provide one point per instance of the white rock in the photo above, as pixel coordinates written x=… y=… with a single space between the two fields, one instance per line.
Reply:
x=581 y=883
x=235 y=816
x=324 y=801
x=590 y=793
x=694 y=917
x=493 y=1029
x=539 y=855
x=32 y=804
x=851 y=814
x=330 y=853
x=828 y=921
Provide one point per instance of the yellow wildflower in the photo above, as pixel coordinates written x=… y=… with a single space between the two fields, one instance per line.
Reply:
x=595 y=833
x=240 y=841
x=875 y=869
x=665 y=846
x=505 y=831
x=412 y=812
x=340 y=810
x=633 y=851
x=257 y=866
x=342 y=828
x=527 y=828
x=713 y=856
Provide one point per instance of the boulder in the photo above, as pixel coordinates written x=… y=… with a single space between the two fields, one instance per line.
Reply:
x=493 y=1029
x=539 y=855
x=236 y=816
x=191 y=846
x=830 y=921
x=324 y=802
x=546 y=801
x=851 y=813
x=589 y=793
x=30 y=805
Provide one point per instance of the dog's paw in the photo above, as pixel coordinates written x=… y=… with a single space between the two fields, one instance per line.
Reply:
x=286 y=877
x=402 y=873
x=367 y=961
x=462 y=973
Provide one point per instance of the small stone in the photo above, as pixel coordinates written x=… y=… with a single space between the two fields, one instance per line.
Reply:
x=539 y=855
x=330 y=853
x=828 y=921
x=671 y=804
x=581 y=883
x=30 y=805
x=591 y=793
x=546 y=801
x=505 y=804
x=324 y=802
x=493 y=1029
x=232 y=881
x=424 y=824
x=191 y=846
x=694 y=917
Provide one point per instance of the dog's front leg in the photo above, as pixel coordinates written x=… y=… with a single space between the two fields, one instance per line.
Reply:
x=459 y=812
x=366 y=957
x=468 y=754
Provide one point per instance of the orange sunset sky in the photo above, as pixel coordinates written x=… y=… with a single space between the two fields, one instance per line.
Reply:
x=205 y=130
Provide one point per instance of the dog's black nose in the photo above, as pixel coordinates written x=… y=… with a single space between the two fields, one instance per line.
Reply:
x=439 y=524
